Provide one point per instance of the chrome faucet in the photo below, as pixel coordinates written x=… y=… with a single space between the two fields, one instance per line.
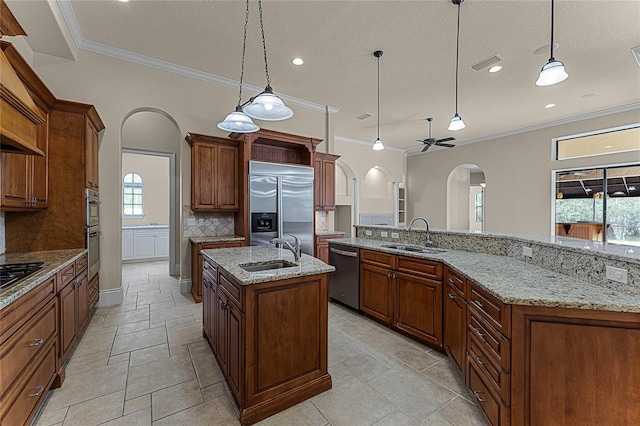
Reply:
x=428 y=241
x=295 y=249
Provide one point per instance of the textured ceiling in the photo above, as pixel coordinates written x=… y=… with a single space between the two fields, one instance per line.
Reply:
x=337 y=40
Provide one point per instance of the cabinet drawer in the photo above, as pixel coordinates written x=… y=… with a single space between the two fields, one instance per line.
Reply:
x=378 y=258
x=16 y=314
x=18 y=409
x=456 y=281
x=209 y=267
x=496 y=412
x=66 y=275
x=496 y=377
x=232 y=289
x=225 y=244
x=497 y=313
x=18 y=352
x=81 y=264
x=424 y=268
x=490 y=340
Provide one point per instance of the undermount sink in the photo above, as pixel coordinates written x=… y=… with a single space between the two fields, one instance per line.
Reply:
x=415 y=249
x=267 y=266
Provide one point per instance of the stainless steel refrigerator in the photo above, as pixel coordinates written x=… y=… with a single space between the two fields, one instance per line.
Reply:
x=281 y=203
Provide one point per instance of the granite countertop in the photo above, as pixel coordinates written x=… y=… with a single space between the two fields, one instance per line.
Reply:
x=215 y=239
x=54 y=261
x=323 y=233
x=516 y=282
x=230 y=259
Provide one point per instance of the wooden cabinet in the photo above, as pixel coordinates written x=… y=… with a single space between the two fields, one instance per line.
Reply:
x=215 y=165
x=418 y=307
x=325 y=181
x=229 y=340
x=67 y=329
x=376 y=292
x=197 y=263
x=322 y=245
x=91 y=156
x=74 y=304
x=454 y=318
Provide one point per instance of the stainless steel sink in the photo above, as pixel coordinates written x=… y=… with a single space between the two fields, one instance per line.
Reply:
x=415 y=249
x=266 y=266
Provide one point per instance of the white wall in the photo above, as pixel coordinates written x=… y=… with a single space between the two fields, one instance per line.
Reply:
x=154 y=172
x=517 y=169
x=458 y=199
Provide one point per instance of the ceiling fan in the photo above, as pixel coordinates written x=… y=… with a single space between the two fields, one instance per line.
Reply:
x=429 y=142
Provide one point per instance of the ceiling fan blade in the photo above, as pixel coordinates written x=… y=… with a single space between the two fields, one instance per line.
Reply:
x=448 y=145
x=446 y=139
x=421 y=140
x=426 y=148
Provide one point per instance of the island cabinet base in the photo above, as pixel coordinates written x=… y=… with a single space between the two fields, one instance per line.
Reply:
x=270 y=339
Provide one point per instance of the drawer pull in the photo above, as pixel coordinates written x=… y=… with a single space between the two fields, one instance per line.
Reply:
x=224 y=306
x=478 y=332
x=451 y=296
x=35 y=342
x=79 y=282
x=478 y=304
x=38 y=392
x=69 y=274
x=479 y=360
x=477 y=396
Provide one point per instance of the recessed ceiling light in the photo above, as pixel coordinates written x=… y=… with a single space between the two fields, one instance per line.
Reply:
x=297 y=61
x=495 y=68
x=544 y=50
x=549 y=106
x=123 y=1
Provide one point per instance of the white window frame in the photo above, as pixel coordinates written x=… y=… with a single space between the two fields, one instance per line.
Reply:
x=132 y=185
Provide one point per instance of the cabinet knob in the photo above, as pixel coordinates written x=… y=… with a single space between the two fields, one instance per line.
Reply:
x=79 y=282
x=479 y=360
x=479 y=332
x=38 y=392
x=478 y=304
x=35 y=342
x=451 y=296
x=477 y=395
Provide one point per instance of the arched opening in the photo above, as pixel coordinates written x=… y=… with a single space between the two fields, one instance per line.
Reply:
x=466 y=190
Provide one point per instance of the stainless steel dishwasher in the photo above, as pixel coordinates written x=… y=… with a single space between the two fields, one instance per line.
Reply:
x=344 y=284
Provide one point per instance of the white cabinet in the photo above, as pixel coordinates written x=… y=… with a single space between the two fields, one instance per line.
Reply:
x=145 y=243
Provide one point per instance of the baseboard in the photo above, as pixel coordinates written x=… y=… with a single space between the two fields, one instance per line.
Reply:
x=185 y=285
x=110 y=297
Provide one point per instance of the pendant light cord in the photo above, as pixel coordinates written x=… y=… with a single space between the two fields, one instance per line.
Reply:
x=457 y=54
x=264 y=45
x=551 y=55
x=379 y=96
x=244 y=48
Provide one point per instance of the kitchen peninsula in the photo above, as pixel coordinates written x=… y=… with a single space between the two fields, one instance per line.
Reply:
x=267 y=326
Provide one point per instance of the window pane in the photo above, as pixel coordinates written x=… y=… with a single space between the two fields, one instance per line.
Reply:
x=137 y=210
x=137 y=191
x=137 y=199
x=137 y=178
x=602 y=143
x=128 y=178
x=128 y=210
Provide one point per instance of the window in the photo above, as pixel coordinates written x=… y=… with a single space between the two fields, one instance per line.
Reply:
x=132 y=195
x=478 y=206
x=622 y=139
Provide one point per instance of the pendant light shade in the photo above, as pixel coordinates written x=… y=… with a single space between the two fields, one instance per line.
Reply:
x=238 y=122
x=553 y=72
x=378 y=145
x=267 y=106
x=456 y=122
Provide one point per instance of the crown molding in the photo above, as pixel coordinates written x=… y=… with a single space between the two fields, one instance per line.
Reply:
x=368 y=144
x=587 y=116
x=125 y=55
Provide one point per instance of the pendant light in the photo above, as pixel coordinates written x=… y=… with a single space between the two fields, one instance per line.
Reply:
x=266 y=106
x=553 y=72
x=237 y=121
x=378 y=145
x=457 y=123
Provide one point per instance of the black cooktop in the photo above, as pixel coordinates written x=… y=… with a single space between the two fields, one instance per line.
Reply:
x=11 y=273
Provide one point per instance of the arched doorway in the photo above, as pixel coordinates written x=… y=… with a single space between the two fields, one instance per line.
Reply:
x=466 y=190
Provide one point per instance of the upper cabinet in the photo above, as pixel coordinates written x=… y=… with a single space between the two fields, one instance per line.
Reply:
x=278 y=147
x=91 y=156
x=215 y=164
x=324 y=181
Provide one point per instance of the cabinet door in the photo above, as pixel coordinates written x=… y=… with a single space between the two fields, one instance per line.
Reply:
x=82 y=295
x=67 y=318
x=144 y=244
x=127 y=244
x=202 y=176
x=418 y=307
x=454 y=325
x=161 y=244
x=329 y=186
x=15 y=180
x=206 y=307
x=40 y=166
x=221 y=337
x=235 y=351
x=375 y=292
x=226 y=176
x=318 y=185
x=323 y=252
x=91 y=157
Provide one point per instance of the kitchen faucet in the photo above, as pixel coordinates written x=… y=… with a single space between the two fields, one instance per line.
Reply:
x=428 y=241
x=296 y=249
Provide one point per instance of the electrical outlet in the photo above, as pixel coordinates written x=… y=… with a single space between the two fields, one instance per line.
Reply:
x=526 y=251
x=216 y=221
x=395 y=235
x=616 y=274
x=367 y=233
x=191 y=222
x=384 y=234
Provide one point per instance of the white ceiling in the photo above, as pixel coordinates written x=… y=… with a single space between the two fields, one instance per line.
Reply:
x=337 y=39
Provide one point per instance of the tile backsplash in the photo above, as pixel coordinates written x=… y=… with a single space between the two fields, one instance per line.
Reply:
x=321 y=221
x=206 y=224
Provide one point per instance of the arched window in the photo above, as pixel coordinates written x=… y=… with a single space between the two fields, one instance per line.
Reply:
x=132 y=195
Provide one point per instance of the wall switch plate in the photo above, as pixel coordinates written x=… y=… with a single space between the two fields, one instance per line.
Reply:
x=368 y=233
x=616 y=274
x=527 y=251
x=384 y=234
x=395 y=235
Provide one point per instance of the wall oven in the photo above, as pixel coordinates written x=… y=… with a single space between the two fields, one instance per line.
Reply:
x=92 y=229
x=92 y=208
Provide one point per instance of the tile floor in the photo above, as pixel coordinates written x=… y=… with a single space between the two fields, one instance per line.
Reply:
x=145 y=363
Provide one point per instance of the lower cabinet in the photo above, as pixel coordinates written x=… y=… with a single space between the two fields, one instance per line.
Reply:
x=322 y=245
x=454 y=318
x=145 y=243
x=376 y=292
x=197 y=264
x=67 y=330
x=418 y=307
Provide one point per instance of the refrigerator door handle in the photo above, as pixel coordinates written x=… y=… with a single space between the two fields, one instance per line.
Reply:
x=280 y=215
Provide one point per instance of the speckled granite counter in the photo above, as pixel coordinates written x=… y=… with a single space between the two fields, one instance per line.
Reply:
x=230 y=259
x=215 y=239
x=325 y=233
x=517 y=282
x=54 y=261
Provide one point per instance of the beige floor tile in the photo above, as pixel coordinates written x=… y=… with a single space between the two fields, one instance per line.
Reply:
x=96 y=411
x=365 y=366
x=51 y=417
x=137 y=404
x=341 y=349
x=184 y=336
x=339 y=370
x=138 y=340
x=216 y=412
x=200 y=349
x=121 y=308
x=416 y=395
x=175 y=398
x=133 y=327
x=303 y=414
x=184 y=322
x=170 y=313
x=182 y=298
x=147 y=297
x=80 y=364
x=446 y=374
x=207 y=370
x=352 y=402
x=158 y=375
x=162 y=305
x=179 y=350
x=117 y=318
x=461 y=412
x=213 y=391
x=397 y=418
x=88 y=385
x=418 y=359
x=434 y=420
x=150 y=354
x=119 y=358
x=138 y=418
x=94 y=343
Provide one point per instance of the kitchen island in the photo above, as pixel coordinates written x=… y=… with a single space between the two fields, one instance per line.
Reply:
x=267 y=328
